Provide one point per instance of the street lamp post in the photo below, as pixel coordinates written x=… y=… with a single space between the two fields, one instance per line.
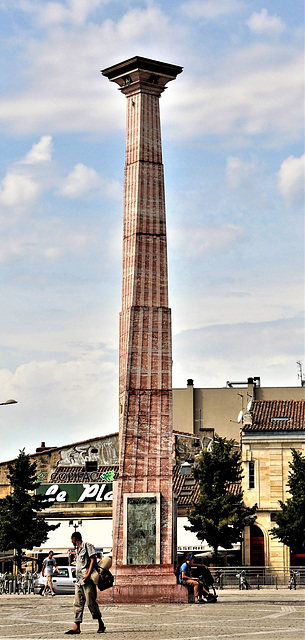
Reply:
x=75 y=524
x=10 y=401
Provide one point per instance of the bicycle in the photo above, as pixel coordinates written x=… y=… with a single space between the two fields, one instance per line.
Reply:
x=21 y=583
x=293 y=579
x=31 y=581
x=3 y=583
x=218 y=579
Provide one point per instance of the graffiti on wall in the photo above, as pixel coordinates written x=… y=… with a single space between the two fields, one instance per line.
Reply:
x=75 y=475
x=186 y=447
x=103 y=452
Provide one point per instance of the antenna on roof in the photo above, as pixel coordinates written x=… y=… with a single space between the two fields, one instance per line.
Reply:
x=300 y=374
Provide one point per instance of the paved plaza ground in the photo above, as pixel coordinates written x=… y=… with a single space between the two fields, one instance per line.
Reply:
x=258 y=615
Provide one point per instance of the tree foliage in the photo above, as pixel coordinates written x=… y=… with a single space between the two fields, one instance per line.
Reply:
x=21 y=524
x=290 y=521
x=219 y=515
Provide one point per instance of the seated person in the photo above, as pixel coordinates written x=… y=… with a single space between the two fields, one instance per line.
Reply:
x=202 y=571
x=186 y=579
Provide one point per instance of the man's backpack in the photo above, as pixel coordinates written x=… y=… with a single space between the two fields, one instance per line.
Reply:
x=105 y=580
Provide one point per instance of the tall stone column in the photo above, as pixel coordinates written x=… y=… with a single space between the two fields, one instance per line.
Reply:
x=143 y=510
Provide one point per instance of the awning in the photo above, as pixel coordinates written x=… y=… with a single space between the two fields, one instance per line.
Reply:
x=12 y=557
x=56 y=550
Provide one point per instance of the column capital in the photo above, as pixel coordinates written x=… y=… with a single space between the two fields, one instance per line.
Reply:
x=142 y=74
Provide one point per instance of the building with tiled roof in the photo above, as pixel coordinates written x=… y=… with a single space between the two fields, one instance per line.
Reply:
x=277 y=415
x=204 y=410
x=271 y=429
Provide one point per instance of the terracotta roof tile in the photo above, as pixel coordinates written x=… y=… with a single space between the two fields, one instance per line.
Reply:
x=277 y=415
x=185 y=487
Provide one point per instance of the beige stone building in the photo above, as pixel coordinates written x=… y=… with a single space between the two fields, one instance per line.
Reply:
x=223 y=410
x=275 y=427
x=267 y=422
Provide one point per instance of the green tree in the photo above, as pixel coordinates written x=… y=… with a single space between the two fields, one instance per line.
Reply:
x=21 y=524
x=219 y=515
x=290 y=521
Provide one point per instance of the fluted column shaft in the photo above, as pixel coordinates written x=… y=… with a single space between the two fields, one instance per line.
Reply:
x=145 y=434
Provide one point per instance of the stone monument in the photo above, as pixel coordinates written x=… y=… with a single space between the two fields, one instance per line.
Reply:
x=143 y=531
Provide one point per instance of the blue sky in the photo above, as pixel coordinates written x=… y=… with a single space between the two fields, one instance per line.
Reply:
x=232 y=127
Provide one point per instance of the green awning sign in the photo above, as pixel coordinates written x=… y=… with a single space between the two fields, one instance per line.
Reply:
x=56 y=493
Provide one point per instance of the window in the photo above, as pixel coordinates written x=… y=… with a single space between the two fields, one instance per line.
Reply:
x=91 y=465
x=251 y=475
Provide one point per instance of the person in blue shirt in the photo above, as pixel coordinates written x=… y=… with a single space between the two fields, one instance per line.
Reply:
x=186 y=579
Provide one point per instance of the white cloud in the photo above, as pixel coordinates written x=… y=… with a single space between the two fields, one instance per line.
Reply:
x=40 y=152
x=73 y=12
x=77 y=399
x=240 y=173
x=47 y=240
x=257 y=92
x=253 y=91
x=79 y=181
x=26 y=179
x=72 y=95
x=291 y=178
x=198 y=240
x=82 y=180
x=210 y=9
x=18 y=191
x=264 y=24
x=213 y=354
x=43 y=233
x=113 y=189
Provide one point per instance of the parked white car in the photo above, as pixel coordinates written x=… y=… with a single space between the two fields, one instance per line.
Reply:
x=63 y=581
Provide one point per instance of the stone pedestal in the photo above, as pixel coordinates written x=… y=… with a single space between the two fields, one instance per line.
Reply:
x=144 y=584
x=143 y=506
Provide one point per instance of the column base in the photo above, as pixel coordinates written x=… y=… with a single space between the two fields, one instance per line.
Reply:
x=144 y=584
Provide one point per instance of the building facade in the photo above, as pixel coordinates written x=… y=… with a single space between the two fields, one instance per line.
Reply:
x=77 y=482
x=77 y=478
x=223 y=410
x=276 y=426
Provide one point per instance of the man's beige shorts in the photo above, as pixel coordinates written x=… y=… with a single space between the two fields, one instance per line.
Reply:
x=49 y=581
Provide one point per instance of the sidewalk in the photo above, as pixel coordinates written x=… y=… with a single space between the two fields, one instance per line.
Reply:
x=266 y=614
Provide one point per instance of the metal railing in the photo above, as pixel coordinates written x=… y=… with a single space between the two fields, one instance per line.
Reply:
x=256 y=577
x=20 y=584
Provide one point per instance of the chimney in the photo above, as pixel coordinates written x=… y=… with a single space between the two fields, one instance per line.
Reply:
x=42 y=447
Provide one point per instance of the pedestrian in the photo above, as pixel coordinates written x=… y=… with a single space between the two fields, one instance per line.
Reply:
x=186 y=578
x=85 y=589
x=48 y=567
x=202 y=572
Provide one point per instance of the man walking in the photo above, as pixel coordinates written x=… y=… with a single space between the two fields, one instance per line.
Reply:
x=85 y=589
x=48 y=567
